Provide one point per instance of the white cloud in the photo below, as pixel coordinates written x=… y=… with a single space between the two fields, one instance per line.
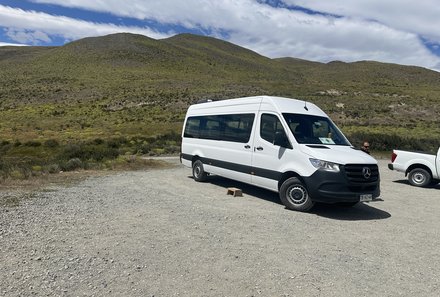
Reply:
x=420 y=17
x=363 y=33
x=27 y=36
x=35 y=27
x=11 y=44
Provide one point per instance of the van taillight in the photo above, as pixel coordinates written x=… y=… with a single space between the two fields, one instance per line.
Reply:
x=393 y=157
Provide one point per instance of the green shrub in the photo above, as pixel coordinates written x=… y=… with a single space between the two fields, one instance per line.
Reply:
x=37 y=168
x=73 y=164
x=32 y=143
x=117 y=142
x=171 y=149
x=143 y=148
x=53 y=168
x=98 y=141
x=71 y=150
x=388 y=142
x=17 y=174
x=51 y=143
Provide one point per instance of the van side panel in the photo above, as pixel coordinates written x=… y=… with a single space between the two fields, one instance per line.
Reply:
x=231 y=159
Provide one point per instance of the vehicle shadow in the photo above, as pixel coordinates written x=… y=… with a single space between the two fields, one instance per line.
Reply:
x=359 y=212
x=406 y=182
x=245 y=188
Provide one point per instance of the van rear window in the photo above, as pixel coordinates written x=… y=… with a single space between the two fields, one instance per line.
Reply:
x=231 y=127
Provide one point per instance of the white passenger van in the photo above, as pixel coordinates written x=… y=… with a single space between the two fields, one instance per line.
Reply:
x=284 y=145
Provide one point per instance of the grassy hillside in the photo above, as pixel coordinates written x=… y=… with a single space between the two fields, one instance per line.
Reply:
x=126 y=93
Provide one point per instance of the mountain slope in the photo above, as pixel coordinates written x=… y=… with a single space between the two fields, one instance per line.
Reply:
x=131 y=84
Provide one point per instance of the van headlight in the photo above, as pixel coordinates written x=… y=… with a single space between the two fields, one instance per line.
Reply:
x=325 y=165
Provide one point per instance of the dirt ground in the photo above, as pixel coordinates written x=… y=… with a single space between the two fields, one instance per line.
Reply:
x=159 y=233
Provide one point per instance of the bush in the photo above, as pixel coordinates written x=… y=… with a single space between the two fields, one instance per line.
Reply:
x=53 y=168
x=73 y=164
x=144 y=148
x=71 y=151
x=388 y=142
x=51 y=143
x=37 y=168
x=17 y=174
x=117 y=142
x=32 y=143
x=171 y=149
x=20 y=173
x=98 y=141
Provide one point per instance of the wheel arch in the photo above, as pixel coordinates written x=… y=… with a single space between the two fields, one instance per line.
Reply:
x=198 y=155
x=286 y=175
x=195 y=158
x=414 y=166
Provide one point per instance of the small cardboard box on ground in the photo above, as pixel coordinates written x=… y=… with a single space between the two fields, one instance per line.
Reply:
x=234 y=192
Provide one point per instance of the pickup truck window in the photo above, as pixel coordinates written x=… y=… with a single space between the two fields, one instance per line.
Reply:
x=309 y=129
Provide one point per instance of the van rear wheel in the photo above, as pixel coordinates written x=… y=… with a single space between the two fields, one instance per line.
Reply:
x=198 y=172
x=294 y=195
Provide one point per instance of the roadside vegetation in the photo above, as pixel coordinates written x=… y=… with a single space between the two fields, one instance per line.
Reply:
x=22 y=160
x=98 y=103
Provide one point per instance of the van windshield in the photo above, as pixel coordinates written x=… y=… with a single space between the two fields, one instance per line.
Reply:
x=309 y=129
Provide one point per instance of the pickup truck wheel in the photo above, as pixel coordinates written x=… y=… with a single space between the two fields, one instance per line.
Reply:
x=198 y=172
x=419 y=177
x=294 y=195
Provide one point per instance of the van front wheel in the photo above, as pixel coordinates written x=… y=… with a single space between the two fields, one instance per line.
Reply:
x=294 y=195
x=198 y=172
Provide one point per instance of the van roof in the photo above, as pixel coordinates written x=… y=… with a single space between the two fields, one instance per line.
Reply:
x=255 y=103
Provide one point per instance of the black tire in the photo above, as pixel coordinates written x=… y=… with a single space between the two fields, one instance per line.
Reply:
x=294 y=195
x=434 y=182
x=198 y=171
x=419 y=177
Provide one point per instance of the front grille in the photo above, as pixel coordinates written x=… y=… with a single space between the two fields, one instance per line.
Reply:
x=363 y=188
x=361 y=173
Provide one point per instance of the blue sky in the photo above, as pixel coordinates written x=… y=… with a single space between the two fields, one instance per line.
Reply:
x=395 y=31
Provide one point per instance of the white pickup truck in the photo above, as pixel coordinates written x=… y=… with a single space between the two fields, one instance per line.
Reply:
x=422 y=169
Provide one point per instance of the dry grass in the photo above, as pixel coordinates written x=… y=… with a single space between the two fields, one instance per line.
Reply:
x=46 y=181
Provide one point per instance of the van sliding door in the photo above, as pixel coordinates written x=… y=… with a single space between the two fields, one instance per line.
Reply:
x=226 y=141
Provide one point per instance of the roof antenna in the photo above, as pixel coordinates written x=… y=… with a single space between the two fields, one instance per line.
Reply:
x=305 y=106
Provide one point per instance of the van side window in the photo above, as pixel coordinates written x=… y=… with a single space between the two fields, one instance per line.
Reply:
x=238 y=127
x=210 y=128
x=272 y=129
x=231 y=127
x=192 y=128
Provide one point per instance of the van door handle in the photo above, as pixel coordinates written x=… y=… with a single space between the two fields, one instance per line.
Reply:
x=247 y=146
x=259 y=148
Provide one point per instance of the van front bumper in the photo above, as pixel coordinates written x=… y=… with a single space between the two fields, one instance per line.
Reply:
x=344 y=186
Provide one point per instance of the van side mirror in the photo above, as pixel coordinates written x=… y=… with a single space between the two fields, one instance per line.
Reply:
x=281 y=140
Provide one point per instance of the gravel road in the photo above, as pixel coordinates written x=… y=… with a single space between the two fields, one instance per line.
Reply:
x=159 y=233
